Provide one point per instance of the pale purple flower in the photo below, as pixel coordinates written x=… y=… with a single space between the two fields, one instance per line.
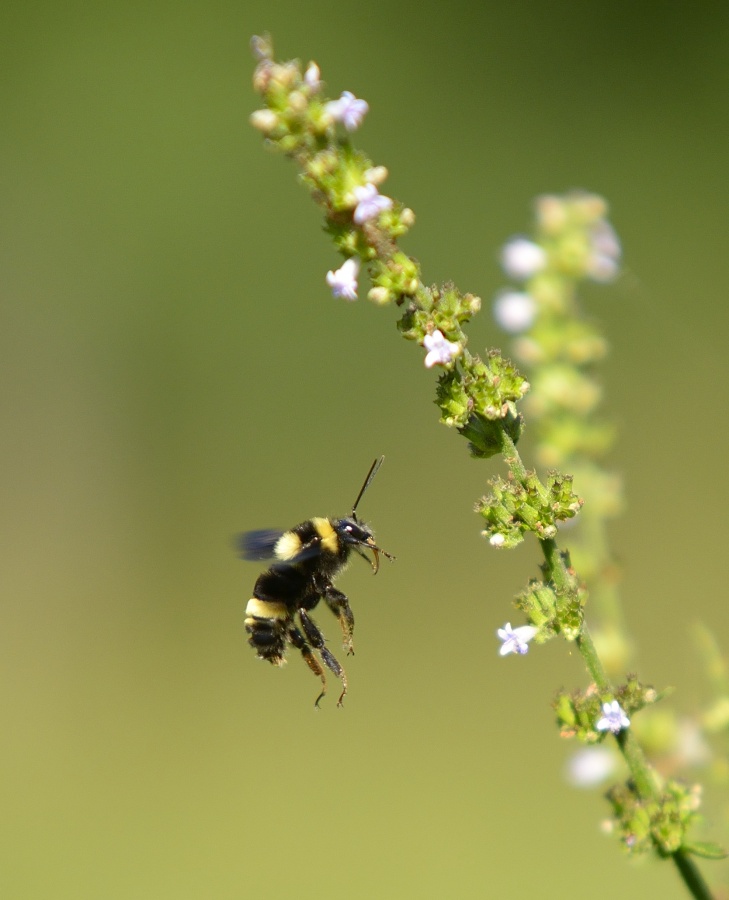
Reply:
x=522 y=258
x=440 y=350
x=370 y=203
x=604 y=239
x=343 y=281
x=613 y=718
x=515 y=640
x=515 y=311
x=348 y=110
x=261 y=47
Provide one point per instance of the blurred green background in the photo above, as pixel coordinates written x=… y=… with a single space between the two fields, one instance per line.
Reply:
x=174 y=371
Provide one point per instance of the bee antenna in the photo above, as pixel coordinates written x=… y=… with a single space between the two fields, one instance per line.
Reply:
x=370 y=475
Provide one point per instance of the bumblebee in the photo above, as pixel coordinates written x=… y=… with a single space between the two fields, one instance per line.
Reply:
x=309 y=557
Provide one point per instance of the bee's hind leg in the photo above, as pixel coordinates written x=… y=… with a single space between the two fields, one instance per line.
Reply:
x=299 y=641
x=339 y=605
x=316 y=639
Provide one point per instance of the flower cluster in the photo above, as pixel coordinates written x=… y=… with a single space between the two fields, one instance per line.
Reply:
x=560 y=346
x=516 y=507
x=659 y=823
x=364 y=223
x=590 y=715
x=573 y=241
x=552 y=611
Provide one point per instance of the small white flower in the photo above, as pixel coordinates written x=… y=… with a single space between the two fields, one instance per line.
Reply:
x=613 y=718
x=497 y=540
x=440 y=350
x=370 y=203
x=343 y=281
x=515 y=311
x=522 y=258
x=348 y=110
x=311 y=77
x=691 y=746
x=590 y=767
x=515 y=640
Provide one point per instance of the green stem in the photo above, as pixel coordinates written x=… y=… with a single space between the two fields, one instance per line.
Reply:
x=692 y=878
x=593 y=662
x=512 y=458
x=646 y=779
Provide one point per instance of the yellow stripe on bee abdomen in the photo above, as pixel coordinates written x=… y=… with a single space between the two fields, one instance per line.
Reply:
x=325 y=530
x=266 y=609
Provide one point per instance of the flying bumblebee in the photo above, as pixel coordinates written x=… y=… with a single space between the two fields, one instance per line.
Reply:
x=309 y=557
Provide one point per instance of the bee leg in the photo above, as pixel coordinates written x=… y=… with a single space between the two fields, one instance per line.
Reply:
x=339 y=605
x=299 y=641
x=316 y=639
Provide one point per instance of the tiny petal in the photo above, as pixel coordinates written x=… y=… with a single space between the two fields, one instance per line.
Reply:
x=613 y=718
x=312 y=77
x=376 y=175
x=370 y=203
x=602 y=268
x=605 y=240
x=261 y=47
x=348 y=110
x=343 y=281
x=497 y=540
x=522 y=258
x=515 y=311
x=515 y=640
x=440 y=350
x=604 y=262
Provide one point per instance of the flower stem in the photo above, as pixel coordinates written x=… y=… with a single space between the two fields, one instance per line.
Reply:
x=692 y=878
x=645 y=778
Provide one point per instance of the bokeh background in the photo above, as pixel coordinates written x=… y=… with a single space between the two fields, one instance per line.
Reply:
x=174 y=371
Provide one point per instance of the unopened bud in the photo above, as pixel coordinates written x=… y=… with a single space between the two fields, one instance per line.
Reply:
x=264 y=120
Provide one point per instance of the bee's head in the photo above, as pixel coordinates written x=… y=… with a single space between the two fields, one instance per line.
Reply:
x=355 y=534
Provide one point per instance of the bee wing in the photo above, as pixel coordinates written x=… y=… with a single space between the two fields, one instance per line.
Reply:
x=257 y=545
x=254 y=545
